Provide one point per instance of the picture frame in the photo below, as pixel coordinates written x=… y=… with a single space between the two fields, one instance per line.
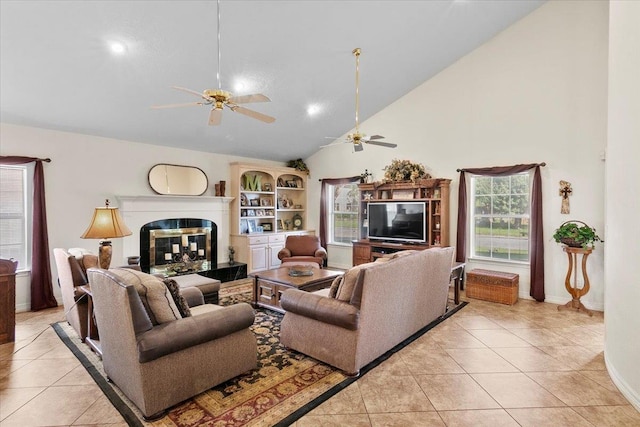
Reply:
x=281 y=224
x=259 y=212
x=255 y=202
x=243 y=212
x=266 y=226
x=269 y=212
x=267 y=186
x=252 y=227
x=266 y=201
x=251 y=212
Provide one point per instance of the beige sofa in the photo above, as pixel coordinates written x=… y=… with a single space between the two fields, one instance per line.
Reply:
x=154 y=355
x=376 y=306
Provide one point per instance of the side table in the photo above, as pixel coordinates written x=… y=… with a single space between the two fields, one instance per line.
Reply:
x=92 y=339
x=575 y=292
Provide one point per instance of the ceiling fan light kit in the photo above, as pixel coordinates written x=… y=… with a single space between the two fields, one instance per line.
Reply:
x=219 y=98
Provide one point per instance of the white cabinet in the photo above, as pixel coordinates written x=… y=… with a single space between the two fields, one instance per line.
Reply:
x=263 y=251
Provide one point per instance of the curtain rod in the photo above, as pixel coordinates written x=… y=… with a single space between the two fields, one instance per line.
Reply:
x=537 y=164
x=48 y=160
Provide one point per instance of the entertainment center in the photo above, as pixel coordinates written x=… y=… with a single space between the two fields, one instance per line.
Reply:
x=400 y=216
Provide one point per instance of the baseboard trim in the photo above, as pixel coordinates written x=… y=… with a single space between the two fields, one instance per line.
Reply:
x=631 y=395
x=563 y=300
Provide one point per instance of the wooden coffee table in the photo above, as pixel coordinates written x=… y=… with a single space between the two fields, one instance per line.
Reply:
x=268 y=285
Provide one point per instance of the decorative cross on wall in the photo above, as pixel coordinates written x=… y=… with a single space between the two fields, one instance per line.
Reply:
x=564 y=192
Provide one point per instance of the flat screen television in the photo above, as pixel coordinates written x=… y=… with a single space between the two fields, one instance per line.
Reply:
x=397 y=221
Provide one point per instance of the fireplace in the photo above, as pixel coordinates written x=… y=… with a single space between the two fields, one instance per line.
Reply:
x=178 y=246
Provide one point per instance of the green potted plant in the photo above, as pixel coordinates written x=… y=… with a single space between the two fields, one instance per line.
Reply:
x=576 y=234
x=298 y=164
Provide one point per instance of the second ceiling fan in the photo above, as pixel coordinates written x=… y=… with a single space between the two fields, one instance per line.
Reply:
x=356 y=138
x=219 y=98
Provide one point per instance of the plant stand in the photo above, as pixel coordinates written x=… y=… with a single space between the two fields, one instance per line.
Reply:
x=573 y=290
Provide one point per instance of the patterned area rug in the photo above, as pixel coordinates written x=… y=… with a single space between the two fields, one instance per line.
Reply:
x=285 y=386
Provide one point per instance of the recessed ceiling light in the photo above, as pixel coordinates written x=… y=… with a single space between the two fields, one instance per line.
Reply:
x=117 y=48
x=313 y=109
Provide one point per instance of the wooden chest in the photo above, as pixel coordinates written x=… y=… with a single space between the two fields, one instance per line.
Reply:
x=494 y=286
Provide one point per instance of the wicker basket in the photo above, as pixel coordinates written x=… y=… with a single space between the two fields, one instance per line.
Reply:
x=494 y=286
x=570 y=241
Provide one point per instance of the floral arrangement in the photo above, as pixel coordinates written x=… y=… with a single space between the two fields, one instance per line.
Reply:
x=404 y=170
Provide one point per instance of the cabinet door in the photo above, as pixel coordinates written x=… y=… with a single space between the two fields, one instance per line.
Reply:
x=274 y=248
x=258 y=258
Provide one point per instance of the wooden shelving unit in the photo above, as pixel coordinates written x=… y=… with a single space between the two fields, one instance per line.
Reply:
x=268 y=202
x=434 y=192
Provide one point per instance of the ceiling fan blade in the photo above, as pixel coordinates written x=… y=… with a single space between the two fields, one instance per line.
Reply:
x=357 y=147
x=331 y=145
x=375 y=137
x=253 y=114
x=215 y=117
x=193 y=92
x=382 y=144
x=186 y=104
x=245 y=99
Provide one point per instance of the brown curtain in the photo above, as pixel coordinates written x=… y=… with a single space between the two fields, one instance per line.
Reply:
x=41 y=286
x=536 y=244
x=323 y=203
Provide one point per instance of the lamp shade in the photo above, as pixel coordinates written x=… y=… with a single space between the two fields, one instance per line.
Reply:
x=105 y=224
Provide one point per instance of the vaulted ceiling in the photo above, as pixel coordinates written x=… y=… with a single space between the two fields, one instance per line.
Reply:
x=57 y=70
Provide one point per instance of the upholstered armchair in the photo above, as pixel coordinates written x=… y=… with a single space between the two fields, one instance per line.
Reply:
x=156 y=356
x=303 y=249
x=71 y=276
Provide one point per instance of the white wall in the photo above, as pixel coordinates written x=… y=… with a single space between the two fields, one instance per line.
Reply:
x=537 y=92
x=622 y=293
x=86 y=170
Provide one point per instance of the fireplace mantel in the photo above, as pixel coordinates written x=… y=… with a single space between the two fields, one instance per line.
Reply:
x=162 y=201
x=140 y=210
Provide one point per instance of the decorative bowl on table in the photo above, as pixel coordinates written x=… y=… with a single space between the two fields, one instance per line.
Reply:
x=300 y=270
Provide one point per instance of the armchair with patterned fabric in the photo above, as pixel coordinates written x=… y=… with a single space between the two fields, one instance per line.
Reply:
x=303 y=249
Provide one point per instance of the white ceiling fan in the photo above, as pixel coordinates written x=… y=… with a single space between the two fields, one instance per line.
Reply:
x=357 y=138
x=219 y=98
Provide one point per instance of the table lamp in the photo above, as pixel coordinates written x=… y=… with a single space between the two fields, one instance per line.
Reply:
x=106 y=224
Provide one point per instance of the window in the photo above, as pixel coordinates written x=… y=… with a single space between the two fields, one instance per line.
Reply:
x=14 y=216
x=344 y=200
x=500 y=220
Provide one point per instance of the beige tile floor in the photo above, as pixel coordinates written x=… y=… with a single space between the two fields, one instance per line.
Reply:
x=489 y=365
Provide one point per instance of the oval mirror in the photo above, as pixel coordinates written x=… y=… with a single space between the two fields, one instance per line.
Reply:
x=178 y=180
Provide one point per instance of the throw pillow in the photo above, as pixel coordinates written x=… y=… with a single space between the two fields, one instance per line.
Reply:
x=333 y=290
x=155 y=296
x=181 y=303
x=90 y=261
x=77 y=274
x=345 y=290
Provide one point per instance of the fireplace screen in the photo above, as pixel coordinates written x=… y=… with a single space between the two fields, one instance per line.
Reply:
x=178 y=246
